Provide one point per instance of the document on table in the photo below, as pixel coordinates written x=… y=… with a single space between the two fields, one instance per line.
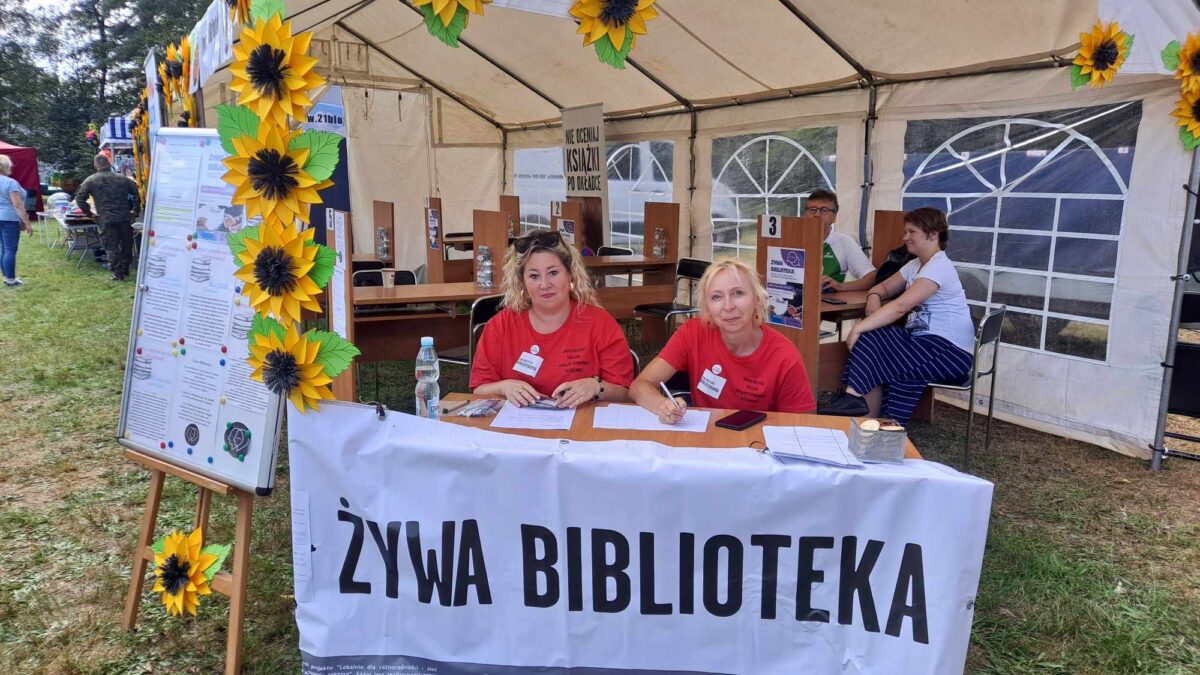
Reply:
x=617 y=416
x=811 y=444
x=512 y=417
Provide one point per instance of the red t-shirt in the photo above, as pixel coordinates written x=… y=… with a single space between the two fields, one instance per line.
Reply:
x=589 y=343
x=771 y=379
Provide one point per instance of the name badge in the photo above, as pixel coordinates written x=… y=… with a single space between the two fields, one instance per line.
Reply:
x=528 y=364
x=711 y=384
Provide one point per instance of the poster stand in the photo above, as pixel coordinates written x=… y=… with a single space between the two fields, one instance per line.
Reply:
x=230 y=584
x=806 y=235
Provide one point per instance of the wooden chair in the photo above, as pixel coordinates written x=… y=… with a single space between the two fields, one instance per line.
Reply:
x=988 y=334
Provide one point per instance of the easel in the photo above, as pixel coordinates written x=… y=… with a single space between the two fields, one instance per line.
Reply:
x=230 y=584
x=805 y=234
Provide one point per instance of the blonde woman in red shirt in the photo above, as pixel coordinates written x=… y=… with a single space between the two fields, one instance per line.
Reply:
x=731 y=359
x=551 y=339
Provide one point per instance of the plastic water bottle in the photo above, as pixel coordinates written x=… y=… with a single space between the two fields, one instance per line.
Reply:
x=483 y=269
x=428 y=393
x=659 y=249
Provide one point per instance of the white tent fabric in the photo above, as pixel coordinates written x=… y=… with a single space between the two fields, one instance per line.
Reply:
x=426 y=119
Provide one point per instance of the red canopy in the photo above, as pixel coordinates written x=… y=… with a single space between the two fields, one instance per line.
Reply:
x=25 y=168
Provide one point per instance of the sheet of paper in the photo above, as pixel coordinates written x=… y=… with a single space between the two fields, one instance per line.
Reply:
x=301 y=547
x=512 y=417
x=811 y=444
x=617 y=416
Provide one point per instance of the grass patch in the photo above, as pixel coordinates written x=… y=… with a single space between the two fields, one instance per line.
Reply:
x=1092 y=563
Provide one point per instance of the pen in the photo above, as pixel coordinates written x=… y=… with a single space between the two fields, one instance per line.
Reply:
x=668 y=393
x=451 y=407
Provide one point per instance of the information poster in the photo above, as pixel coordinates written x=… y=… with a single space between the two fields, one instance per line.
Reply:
x=188 y=394
x=584 y=162
x=433 y=225
x=337 y=283
x=785 y=285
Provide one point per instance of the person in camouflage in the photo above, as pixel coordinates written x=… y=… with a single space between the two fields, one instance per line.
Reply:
x=117 y=204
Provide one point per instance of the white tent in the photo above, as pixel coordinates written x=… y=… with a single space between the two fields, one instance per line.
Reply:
x=1066 y=205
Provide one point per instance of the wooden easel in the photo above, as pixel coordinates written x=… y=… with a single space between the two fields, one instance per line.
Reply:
x=230 y=584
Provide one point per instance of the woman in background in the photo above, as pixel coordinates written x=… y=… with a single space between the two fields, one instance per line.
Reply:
x=13 y=219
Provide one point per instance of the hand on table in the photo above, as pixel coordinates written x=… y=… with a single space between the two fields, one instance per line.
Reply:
x=829 y=284
x=671 y=411
x=571 y=394
x=519 y=393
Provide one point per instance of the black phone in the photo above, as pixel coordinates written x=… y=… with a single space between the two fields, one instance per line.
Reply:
x=833 y=301
x=742 y=419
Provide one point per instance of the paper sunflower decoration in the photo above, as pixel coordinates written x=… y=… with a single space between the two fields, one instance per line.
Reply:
x=1185 y=61
x=283 y=270
x=268 y=173
x=239 y=11
x=1187 y=115
x=611 y=26
x=272 y=71
x=298 y=366
x=1102 y=52
x=175 y=70
x=447 y=19
x=183 y=569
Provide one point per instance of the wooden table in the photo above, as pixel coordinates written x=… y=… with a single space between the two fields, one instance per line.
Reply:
x=582 y=430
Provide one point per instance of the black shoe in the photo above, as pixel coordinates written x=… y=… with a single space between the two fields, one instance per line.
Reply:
x=117 y=277
x=846 y=405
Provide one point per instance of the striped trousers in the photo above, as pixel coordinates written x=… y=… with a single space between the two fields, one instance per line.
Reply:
x=904 y=364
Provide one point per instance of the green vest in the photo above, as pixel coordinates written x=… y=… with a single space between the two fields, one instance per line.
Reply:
x=830 y=267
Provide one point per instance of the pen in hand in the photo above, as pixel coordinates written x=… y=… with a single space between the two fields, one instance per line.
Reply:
x=670 y=398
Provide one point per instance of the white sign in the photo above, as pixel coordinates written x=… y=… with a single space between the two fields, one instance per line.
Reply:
x=212 y=44
x=584 y=163
x=154 y=100
x=772 y=227
x=188 y=397
x=430 y=547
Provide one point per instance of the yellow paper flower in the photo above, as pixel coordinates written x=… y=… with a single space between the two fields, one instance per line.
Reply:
x=1188 y=70
x=287 y=368
x=1102 y=52
x=269 y=178
x=614 y=18
x=1187 y=112
x=446 y=9
x=239 y=11
x=179 y=572
x=272 y=71
x=275 y=268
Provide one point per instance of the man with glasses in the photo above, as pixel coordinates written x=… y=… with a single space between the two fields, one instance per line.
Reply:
x=842 y=255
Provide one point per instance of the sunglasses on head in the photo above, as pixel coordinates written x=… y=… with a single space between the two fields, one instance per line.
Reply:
x=550 y=239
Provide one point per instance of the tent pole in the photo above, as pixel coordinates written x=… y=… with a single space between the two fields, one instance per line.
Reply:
x=1181 y=277
x=868 y=173
x=503 y=160
x=692 y=183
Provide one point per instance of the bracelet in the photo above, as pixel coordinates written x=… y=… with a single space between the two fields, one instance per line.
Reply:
x=601 y=383
x=878 y=295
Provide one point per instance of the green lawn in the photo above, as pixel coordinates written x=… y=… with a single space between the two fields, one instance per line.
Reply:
x=1092 y=565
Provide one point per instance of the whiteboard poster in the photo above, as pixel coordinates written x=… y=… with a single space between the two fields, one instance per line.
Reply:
x=188 y=397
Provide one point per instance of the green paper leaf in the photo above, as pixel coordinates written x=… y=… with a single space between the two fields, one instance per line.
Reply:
x=608 y=53
x=265 y=325
x=1170 y=55
x=237 y=240
x=1078 y=79
x=263 y=9
x=1128 y=44
x=336 y=353
x=234 y=121
x=159 y=545
x=447 y=34
x=219 y=550
x=322 y=149
x=1190 y=142
x=322 y=271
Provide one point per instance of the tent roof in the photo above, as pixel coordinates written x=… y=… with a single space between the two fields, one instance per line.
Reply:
x=9 y=147
x=517 y=68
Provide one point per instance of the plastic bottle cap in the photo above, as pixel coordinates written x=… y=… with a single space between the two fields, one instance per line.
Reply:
x=427 y=341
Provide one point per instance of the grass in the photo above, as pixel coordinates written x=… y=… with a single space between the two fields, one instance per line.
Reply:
x=1092 y=564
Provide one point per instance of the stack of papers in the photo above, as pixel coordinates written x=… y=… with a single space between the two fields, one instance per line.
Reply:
x=617 y=416
x=512 y=417
x=810 y=444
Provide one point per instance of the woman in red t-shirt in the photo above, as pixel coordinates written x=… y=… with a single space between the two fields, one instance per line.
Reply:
x=731 y=360
x=551 y=339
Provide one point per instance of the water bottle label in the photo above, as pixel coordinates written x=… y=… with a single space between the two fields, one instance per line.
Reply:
x=433 y=408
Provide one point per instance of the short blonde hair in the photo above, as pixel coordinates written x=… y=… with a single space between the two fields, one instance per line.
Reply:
x=513 y=283
x=5 y=165
x=738 y=267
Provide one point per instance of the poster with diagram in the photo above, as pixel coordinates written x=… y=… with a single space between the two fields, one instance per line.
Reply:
x=188 y=396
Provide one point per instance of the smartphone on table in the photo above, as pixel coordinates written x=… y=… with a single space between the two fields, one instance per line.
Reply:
x=742 y=419
x=833 y=301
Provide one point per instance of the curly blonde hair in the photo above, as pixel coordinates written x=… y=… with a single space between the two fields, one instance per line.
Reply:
x=513 y=284
x=737 y=266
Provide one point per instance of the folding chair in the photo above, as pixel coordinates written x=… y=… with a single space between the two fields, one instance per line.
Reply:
x=617 y=250
x=688 y=270
x=988 y=334
x=482 y=311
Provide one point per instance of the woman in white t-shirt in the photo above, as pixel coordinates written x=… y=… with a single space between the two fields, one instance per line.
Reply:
x=937 y=342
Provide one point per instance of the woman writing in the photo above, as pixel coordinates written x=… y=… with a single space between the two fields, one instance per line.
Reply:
x=935 y=345
x=551 y=339
x=732 y=361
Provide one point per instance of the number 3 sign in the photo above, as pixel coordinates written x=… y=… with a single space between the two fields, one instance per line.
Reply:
x=772 y=227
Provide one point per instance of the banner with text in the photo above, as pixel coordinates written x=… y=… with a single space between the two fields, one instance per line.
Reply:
x=584 y=162
x=431 y=547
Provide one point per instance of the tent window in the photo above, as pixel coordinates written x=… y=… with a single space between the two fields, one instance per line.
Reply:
x=637 y=173
x=1036 y=205
x=769 y=174
x=538 y=180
